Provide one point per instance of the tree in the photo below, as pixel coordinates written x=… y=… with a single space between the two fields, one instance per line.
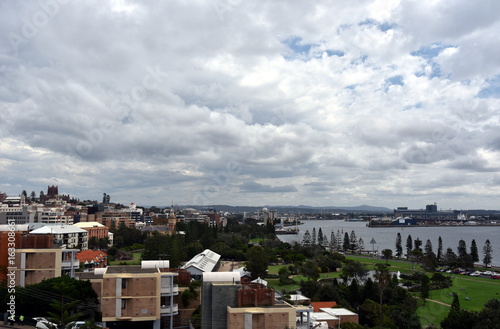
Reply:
x=418 y=244
x=383 y=278
x=487 y=253
x=462 y=249
x=409 y=246
x=93 y=243
x=306 y=240
x=33 y=196
x=474 y=251
x=347 y=243
x=310 y=269
x=450 y=258
x=314 y=236
x=320 y=237
x=34 y=300
x=333 y=242
x=387 y=254
x=440 y=249
x=428 y=248
x=338 y=238
x=464 y=258
x=399 y=246
x=284 y=275
x=361 y=245
x=354 y=270
x=257 y=262
x=353 y=242
x=489 y=317
x=458 y=318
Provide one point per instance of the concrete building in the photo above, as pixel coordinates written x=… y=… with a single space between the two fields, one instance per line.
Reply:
x=136 y=296
x=219 y=291
x=206 y=261
x=342 y=314
x=68 y=236
x=14 y=209
x=96 y=230
x=34 y=265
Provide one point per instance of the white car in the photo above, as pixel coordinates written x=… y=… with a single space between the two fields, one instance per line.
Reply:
x=43 y=323
x=75 y=324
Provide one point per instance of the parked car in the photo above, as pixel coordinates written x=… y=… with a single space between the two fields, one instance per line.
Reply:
x=495 y=277
x=43 y=323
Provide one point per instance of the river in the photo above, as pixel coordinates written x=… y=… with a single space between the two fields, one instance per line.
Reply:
x=385 y=237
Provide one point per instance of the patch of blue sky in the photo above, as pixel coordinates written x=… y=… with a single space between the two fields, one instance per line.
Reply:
x=493 y=89
x=382 y=26
x=338 y=53
x=395 y=80
x=434 y=73
x=429 y=52
x=298 y=49
x=413 y=106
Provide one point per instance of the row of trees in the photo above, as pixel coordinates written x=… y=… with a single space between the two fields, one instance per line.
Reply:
x=338 y=241
x=426 y=254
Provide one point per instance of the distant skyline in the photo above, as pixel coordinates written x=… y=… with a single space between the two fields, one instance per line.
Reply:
x=328 y=103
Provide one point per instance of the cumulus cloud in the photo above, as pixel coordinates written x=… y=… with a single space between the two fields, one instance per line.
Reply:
x=387 y=103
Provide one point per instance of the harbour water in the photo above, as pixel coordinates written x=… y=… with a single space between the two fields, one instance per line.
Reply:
x=385 y=237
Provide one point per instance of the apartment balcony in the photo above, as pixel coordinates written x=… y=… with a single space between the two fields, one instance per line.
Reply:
x=170 y=290
x=166 y=310
x=69 y=264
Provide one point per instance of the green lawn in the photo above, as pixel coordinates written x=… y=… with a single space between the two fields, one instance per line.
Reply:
x=472 y=292
x=135 y=261
x=432 y=313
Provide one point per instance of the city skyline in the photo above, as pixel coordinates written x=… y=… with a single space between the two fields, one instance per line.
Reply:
x=382 y=103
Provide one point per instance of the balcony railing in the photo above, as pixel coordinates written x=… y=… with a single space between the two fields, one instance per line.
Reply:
x=169 y=310
x=170 y=290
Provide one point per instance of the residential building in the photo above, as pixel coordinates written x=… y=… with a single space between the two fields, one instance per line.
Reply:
x=206 y=261
x=114 y=218
x=68 y=236
x=14 y=209
x=34 y=265
x=92 y=259
x=136 y=296
x=94 y=229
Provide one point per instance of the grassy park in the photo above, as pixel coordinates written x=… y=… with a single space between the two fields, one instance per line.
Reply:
x=473 y=292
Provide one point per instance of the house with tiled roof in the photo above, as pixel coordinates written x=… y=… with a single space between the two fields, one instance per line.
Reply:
x=92 y=259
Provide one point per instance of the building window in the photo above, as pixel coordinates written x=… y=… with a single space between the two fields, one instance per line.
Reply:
x=124 y=303
x=124 y=283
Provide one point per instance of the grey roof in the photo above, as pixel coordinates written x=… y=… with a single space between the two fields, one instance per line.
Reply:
x=204 y=261
x=58 y=229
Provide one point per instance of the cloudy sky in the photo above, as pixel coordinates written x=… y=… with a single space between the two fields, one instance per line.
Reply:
x=321 y=103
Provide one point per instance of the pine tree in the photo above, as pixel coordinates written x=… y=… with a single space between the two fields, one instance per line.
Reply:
x=440 y=249
x=409 y=246
x=347 y=243
x=333 y=242
x=314 y=236
x=306 y=240
x=353 y=242
x=487 y=252
x=338 y=239
x=428 y=247
x=473 y=251
x=399 y=246
x=320 y=237
x=361 y=245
